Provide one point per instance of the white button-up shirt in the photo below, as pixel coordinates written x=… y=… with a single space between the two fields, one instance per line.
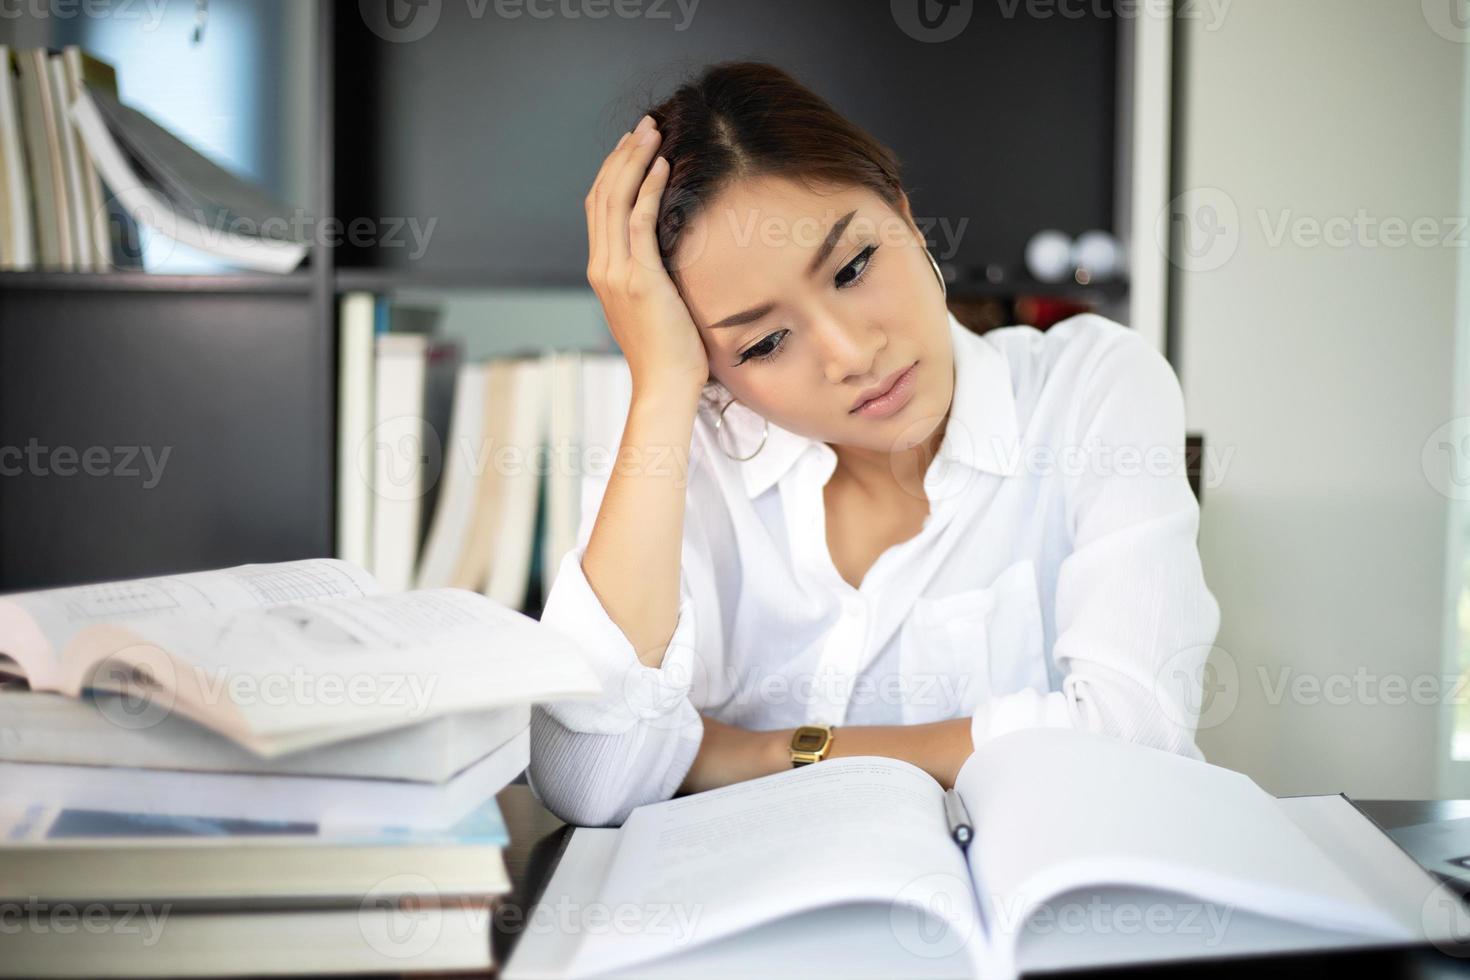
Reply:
x=1055 y=581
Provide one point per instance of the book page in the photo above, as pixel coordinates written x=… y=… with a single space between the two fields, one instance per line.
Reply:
x=1057 y=810
x=351 y=664
x=35 y=625
x=847 y=830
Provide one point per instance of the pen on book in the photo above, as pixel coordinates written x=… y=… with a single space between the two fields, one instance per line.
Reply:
x=960 y=827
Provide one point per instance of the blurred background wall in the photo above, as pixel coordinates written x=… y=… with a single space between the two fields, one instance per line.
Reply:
x=1322 y=369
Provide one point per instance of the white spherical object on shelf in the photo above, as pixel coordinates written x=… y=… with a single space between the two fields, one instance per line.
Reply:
x=1049 y=256
x=1097 y=256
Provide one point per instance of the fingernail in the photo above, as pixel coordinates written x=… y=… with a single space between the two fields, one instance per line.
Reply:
x=644 y=123
x=648 y=136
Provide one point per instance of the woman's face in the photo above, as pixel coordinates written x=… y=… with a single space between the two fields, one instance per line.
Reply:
x=806 y=302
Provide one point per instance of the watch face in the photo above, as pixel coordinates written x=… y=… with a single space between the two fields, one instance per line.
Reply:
x=809 y=740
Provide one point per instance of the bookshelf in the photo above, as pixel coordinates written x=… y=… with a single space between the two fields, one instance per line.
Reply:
x=401 y=129
x=148 y=282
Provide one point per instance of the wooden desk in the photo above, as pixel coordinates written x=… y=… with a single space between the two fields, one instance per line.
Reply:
x=537 y=840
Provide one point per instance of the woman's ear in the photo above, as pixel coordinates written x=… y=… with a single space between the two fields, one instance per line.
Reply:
x=715 y=393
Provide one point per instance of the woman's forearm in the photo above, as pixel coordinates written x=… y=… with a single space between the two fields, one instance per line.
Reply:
x=937 y=747
x=633 y=553
x=729 y=754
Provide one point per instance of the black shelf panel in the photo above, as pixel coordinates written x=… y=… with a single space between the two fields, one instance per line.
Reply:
x=465 y=128
x=386 y=280
x=971 y=289
x=146 y=282
x=210 y=413
x=362 y=279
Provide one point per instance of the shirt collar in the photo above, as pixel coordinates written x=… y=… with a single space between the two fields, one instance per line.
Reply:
x=981 y=433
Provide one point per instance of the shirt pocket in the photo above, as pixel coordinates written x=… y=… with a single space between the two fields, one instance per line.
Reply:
x=959 y=650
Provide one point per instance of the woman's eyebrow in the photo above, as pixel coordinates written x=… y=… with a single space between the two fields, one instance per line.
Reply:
x=823 y=250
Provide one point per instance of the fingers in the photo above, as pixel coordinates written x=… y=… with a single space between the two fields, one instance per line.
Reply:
x=610 y=202
x=621 y=184
x=642 y=234
x=596 y=232
x=637 y=151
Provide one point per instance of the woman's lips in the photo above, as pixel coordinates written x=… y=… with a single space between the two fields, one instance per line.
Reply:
x=892 y=400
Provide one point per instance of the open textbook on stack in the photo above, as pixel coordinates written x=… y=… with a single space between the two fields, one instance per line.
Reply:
x=1087 y=850
x=284 y=657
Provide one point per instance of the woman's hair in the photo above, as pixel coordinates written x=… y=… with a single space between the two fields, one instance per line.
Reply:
x=745 y=119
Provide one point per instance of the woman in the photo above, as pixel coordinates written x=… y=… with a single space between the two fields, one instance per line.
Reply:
x=835 y=507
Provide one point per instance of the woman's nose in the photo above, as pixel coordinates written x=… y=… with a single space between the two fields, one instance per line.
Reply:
x=851 y=350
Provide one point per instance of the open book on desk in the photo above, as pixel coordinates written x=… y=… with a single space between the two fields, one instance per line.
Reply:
x=287 y=656
x=1087 y=850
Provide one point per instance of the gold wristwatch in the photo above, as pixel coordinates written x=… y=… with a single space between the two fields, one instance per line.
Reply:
x=810 y=743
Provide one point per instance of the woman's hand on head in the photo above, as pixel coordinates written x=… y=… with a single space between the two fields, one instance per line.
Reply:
x=643 y=307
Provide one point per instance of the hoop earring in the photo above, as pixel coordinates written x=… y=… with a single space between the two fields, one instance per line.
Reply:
x=720 y=421
x=943 y=288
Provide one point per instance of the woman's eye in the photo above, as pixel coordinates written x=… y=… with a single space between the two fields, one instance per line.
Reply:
x=768 y=347
x=860 y=264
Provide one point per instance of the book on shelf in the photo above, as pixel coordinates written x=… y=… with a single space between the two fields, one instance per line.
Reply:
x=94 y=225
x=164 y=184
x=399 y=448
x=36 y=103
x=80 y=172
x=520 y=440
x=55 y=213
x=475 y=542
x=287 y=656
x=859 y=851
x=563 y=491
x=457 y=491
x=78 y=233
x=17 y=233
x=414 y=377
x=506 y=441
x=356 y=385
x=507 y=568
x=396 y=384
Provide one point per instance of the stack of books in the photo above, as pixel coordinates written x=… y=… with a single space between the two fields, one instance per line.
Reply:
x=262 y=768
x=80 y=172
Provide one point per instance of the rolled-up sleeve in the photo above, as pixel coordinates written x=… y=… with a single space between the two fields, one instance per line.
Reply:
x=593 y=761
x=1135 y=621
